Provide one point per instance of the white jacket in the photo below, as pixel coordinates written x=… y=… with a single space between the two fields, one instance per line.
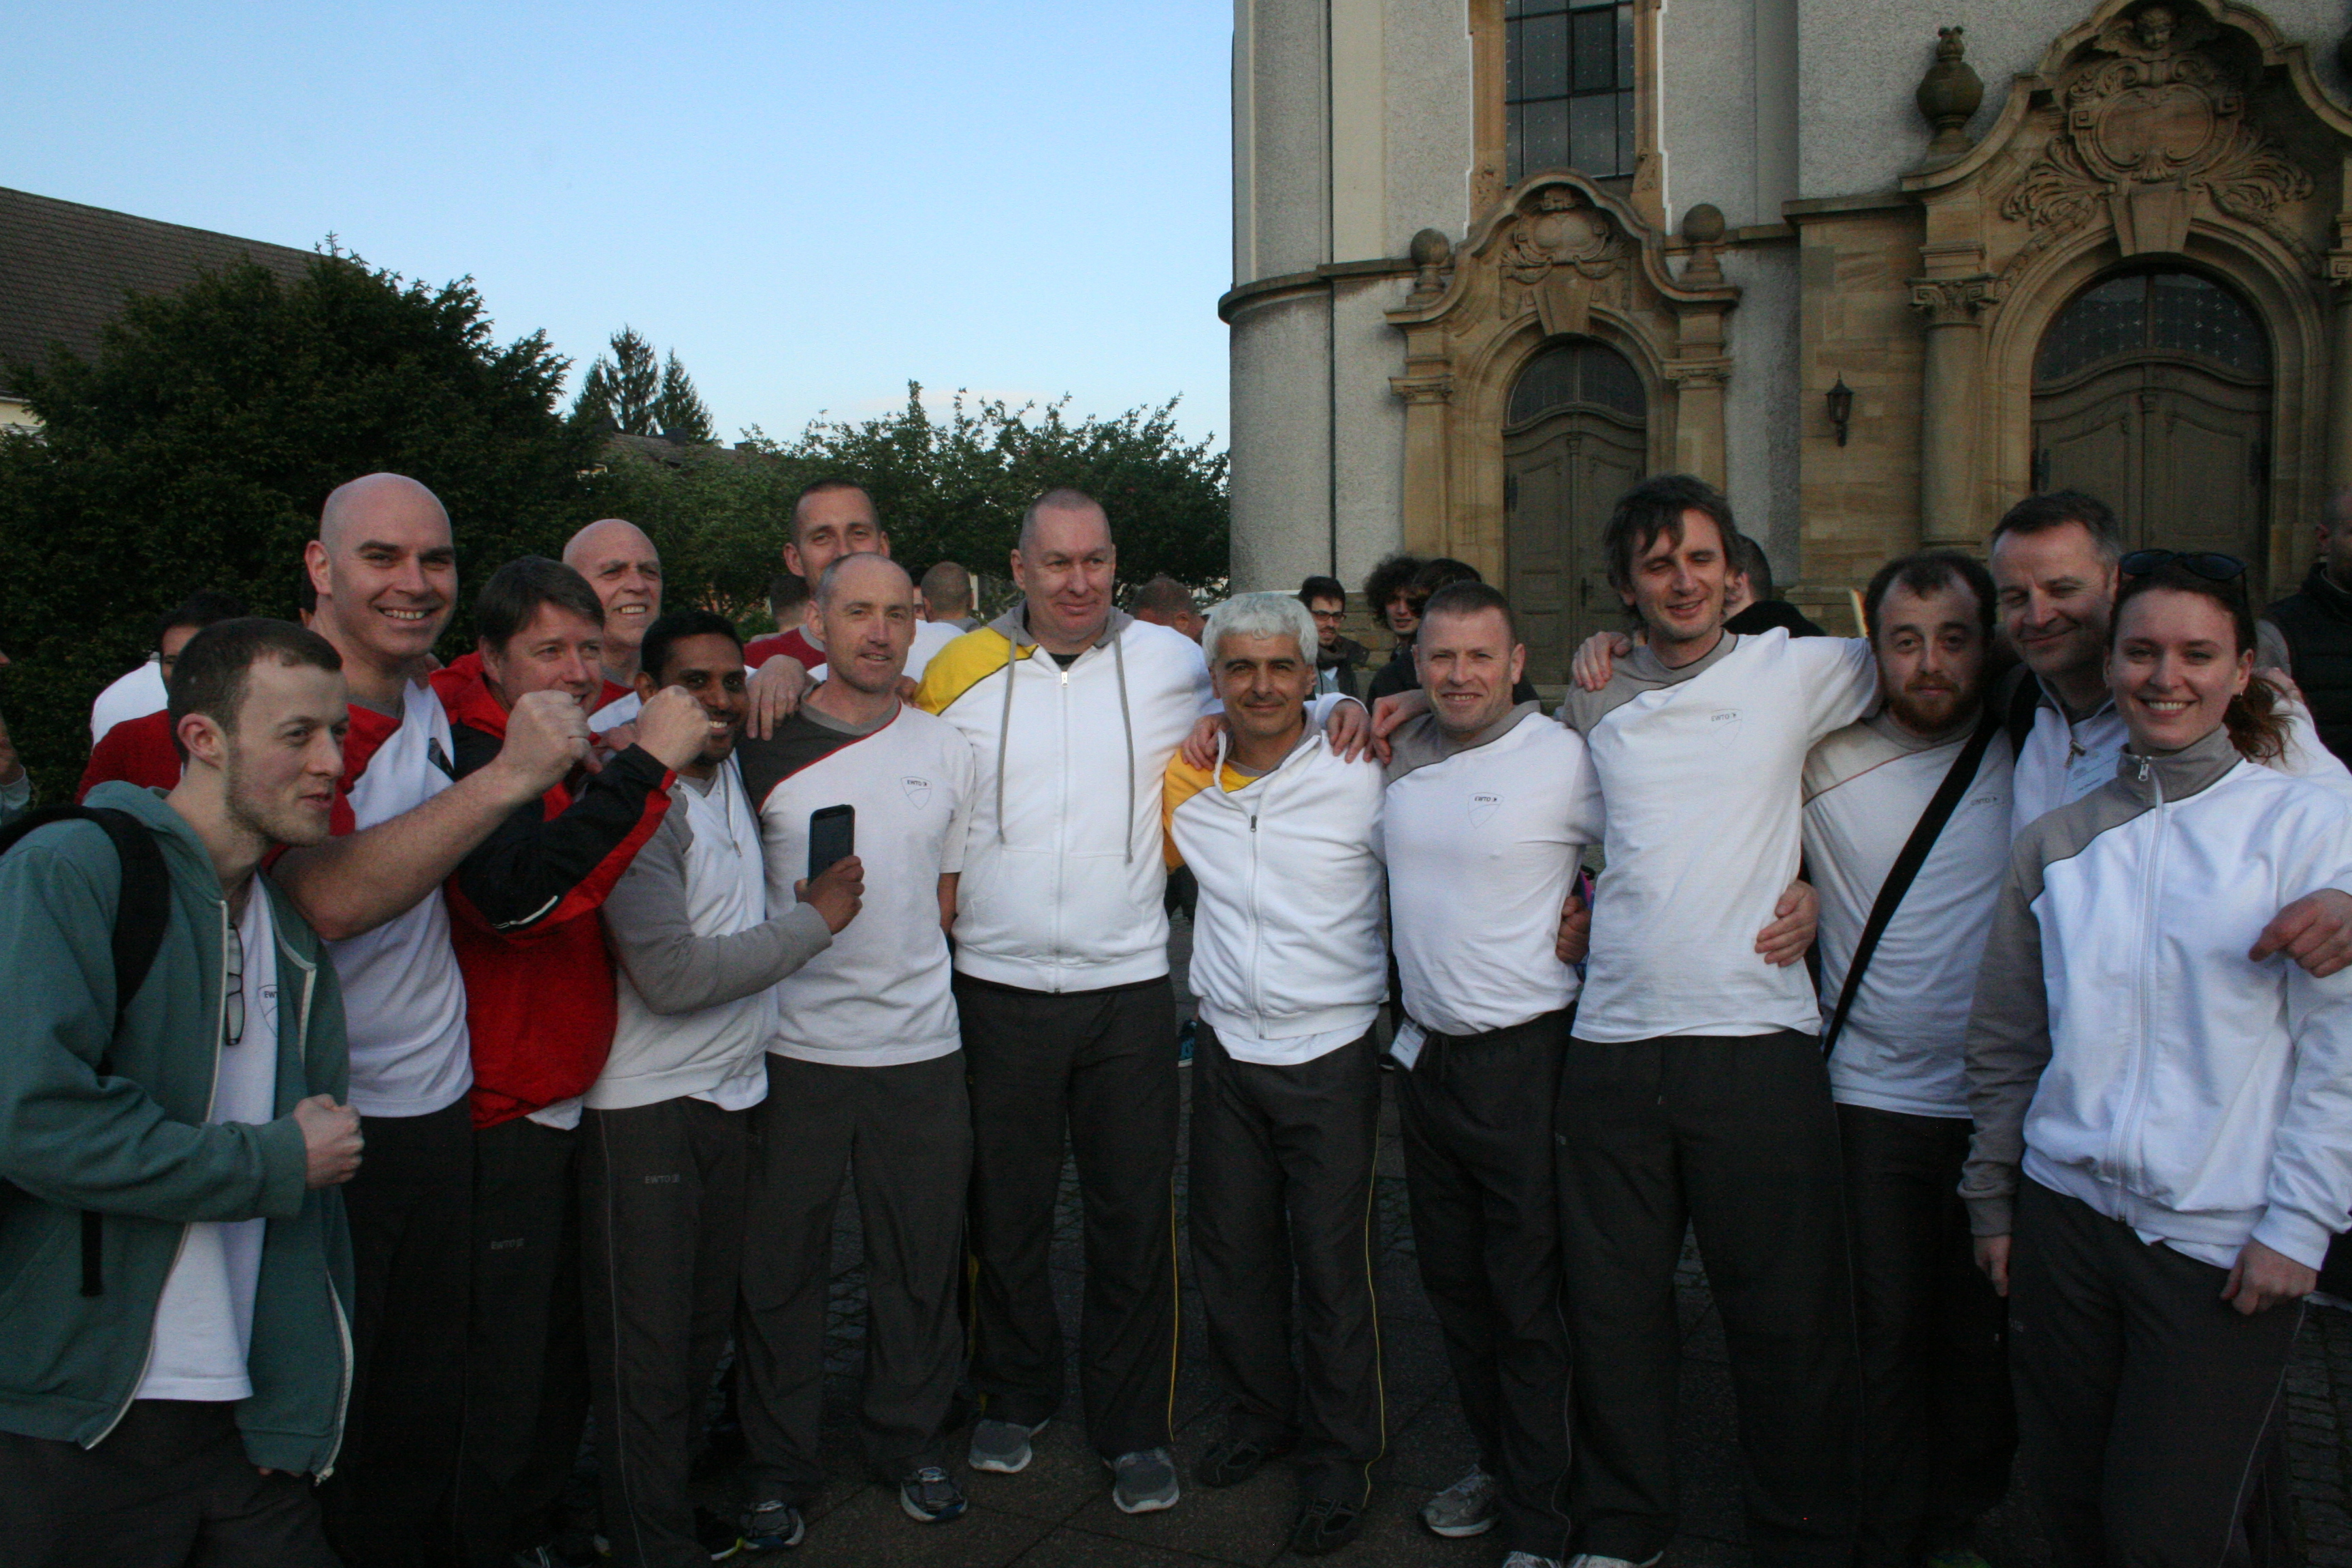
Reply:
x=1062 y=876
x=2125 y=1051
x=1288 y=942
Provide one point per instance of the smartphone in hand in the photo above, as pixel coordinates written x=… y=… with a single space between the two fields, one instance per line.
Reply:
x=833 y=836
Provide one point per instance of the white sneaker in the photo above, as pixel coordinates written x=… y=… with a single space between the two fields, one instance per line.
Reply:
x=1466 y=1508
x=1001 y=1446
x=1529 y=1559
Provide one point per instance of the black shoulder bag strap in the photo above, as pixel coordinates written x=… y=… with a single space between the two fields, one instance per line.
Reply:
x=1962 y=774
x=141 y=914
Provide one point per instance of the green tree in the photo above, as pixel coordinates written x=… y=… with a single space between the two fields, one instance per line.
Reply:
x=196 y=451
x=640 y=396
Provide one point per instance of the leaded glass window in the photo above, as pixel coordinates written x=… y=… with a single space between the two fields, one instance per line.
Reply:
x=2153 y=313
x=1568 y=93
x=1573 y=372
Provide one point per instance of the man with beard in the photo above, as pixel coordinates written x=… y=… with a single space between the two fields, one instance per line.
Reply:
x=2056 y=563
x=1938 y=1426
x=174 y=1365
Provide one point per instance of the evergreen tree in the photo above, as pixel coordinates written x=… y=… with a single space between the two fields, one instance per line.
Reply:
x=639 y=395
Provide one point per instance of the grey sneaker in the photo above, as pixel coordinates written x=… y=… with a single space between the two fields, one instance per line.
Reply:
x=1143 y=1481
x=774 y=1525
x=929 y=1496
x=1001 y=1447
x=1466 y=1508
x=1529 y=1559
x=1594 y=1560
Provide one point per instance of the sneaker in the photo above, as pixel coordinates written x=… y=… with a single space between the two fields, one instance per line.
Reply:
x=1230 y=1461
x=1001 y=1447
x=773 y=1526
x=1324 y=1525
x=929 y=1496
x=1529 y=1559
x=1466 y=1508
x=1594 y=1560
x=717 y=1536
x=1143 y=1481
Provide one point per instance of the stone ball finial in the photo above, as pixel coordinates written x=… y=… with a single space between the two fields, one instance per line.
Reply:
x=1949 y=94
x=1432 y=248
x=1702 y=225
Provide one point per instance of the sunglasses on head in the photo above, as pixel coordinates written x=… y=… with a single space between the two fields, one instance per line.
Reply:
x=2209 y=564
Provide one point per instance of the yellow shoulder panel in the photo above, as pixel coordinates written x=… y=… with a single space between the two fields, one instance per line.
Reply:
x=962 y=665
x=1183 y=782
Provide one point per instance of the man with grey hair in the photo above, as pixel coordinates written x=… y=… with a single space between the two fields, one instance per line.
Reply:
x=1061 y=962
x=1290 y=962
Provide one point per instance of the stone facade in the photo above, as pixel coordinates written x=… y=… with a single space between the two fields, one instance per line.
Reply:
x=1907 y=200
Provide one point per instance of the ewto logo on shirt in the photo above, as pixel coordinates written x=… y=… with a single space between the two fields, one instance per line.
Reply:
x=918 y=791
x=1482 y=808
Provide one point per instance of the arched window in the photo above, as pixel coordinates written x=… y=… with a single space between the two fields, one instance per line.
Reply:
x=1578 y=372
x=2143 y=313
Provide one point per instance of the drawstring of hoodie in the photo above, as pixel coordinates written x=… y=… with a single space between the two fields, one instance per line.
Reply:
x=1126 y=721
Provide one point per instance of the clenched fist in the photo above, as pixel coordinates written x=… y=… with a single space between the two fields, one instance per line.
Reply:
x=673 y=727
x=546 y=737
x=330 y=1138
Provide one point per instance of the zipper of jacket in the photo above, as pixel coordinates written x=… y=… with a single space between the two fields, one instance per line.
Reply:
x=1062 y=826
x=1256 y=927
x=220 y=1034
x=2126 y=1144
x=344 y=1391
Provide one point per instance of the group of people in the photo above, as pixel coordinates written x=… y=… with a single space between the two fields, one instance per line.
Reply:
x=417 y=1065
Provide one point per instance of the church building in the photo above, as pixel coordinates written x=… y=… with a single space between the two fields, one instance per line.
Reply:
x=1878 y=270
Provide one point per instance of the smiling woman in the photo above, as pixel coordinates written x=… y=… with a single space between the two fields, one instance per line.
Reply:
x=2181 y=664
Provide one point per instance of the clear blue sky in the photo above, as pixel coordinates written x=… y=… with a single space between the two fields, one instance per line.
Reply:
x=813 y=203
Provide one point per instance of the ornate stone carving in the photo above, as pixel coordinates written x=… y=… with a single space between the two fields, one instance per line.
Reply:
x=1953 y=301
x=1558 y=229
x=2153 y=121
x=1949 y=94
x=1714 y=373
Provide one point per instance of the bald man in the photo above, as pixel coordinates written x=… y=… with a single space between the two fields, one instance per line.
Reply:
x=622 y=565
x=385 y=569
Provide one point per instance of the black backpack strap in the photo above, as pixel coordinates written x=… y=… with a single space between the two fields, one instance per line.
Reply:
x=2022 y=699
x=1906 y=869
x=143 y=911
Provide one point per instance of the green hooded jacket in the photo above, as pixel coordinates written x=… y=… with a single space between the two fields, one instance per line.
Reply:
x=135 y=1147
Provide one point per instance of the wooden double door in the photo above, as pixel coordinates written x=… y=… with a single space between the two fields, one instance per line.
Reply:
x=2153 y=393
x=1576 y=440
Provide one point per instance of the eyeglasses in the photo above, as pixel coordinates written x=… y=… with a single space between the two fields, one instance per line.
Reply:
x=232 y=1000
x=2209 y=564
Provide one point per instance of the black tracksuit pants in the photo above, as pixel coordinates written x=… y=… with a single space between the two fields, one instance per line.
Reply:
x=904 y=1134
x=661 y=1204
x=1734 y=1137
x=1282 y=1191
x=526 y=1368
x=1097 y=1069
x=1938 y=1424
x=411 y=1211
x=2142 y=1396
x=1477 y=1113
x=171 y=1487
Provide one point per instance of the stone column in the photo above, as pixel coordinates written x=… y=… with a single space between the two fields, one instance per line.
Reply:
x=2340 y=380
x=1950 y=409
x=1426 y=459
x=1700 y=447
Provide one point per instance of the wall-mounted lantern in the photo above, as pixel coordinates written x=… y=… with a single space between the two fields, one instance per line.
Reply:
x=1840 y=400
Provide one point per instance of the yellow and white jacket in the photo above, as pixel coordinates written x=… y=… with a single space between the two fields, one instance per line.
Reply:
x=1289 y=954
x=1062 y=876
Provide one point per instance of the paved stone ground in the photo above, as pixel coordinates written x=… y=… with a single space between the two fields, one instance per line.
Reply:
x=1058 y=1514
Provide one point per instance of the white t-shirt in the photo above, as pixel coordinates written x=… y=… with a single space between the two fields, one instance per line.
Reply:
x=203 y=1321
x=1482 y=849
x=880 y=995
x=403 y=994
x=132 y=695
x=1701 y=768
x=622 y=709
x=929 y=637
x=1865 y=789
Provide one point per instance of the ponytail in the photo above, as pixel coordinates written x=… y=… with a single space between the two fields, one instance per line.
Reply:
x=2256 y=723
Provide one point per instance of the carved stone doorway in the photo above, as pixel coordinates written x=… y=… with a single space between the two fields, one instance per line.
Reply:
x=1575 y=437
x=2152 y=391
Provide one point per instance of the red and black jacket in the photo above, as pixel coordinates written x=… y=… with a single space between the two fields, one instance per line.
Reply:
x=524 y=912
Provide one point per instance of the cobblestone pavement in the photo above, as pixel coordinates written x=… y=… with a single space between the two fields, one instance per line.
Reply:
x=1058 y=1514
